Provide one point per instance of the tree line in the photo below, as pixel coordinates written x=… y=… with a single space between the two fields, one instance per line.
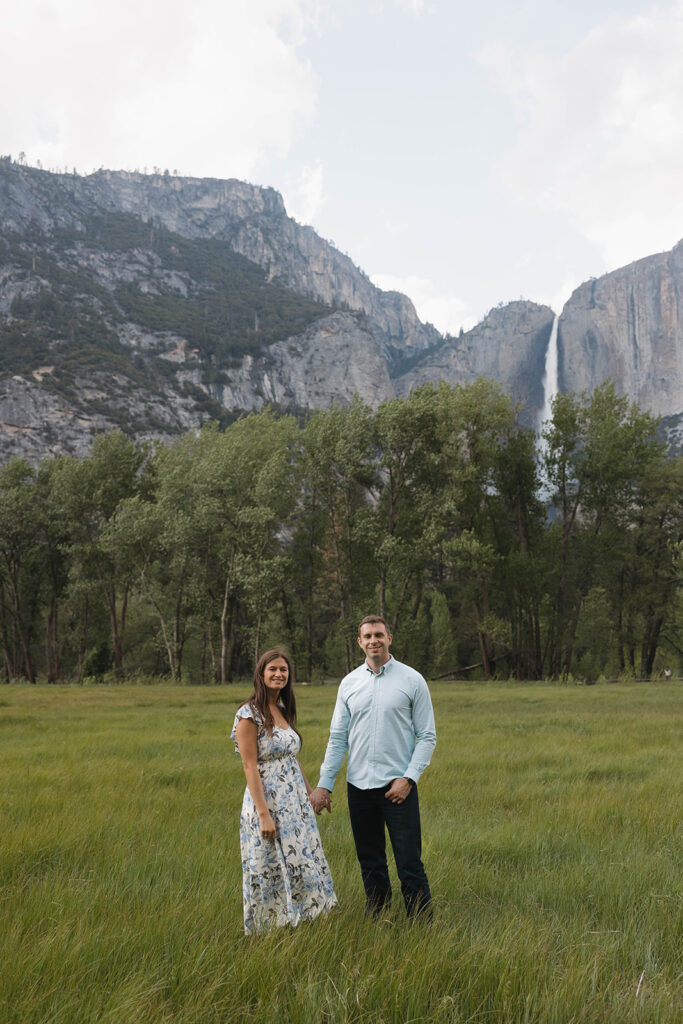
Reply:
x=490 y=550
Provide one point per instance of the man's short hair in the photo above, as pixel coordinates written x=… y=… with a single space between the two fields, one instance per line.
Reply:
x=371 y=620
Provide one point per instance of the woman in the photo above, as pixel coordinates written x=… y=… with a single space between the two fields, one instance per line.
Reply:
x=285 y=875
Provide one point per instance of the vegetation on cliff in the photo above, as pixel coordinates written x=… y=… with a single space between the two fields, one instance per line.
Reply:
x=78 y=292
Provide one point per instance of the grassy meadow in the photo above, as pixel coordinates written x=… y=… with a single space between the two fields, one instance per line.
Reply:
x=552 y=839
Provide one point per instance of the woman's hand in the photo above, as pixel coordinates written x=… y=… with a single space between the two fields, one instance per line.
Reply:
x=267 y=825
x=320 y=798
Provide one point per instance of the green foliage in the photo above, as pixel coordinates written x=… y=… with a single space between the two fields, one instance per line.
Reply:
x=443 y=642
x=225 y=322
x=97 y=662
x=602 y=460
x=186 y=560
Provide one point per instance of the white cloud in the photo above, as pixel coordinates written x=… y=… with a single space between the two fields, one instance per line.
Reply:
x=211 y=88
x=446 y=312
x=416 y=7
x=306 y=197
x=601 y=136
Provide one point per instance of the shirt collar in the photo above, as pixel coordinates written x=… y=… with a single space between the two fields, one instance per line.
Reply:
x=368 y=668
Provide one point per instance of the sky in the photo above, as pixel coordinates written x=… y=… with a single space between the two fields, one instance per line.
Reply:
x=465 y=154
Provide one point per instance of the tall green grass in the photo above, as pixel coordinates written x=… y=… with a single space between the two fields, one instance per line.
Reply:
x=552 y=838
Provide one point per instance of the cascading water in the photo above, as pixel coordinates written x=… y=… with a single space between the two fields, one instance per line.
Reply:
x=550 y=387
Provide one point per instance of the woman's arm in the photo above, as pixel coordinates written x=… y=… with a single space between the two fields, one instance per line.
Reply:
x=246 y=732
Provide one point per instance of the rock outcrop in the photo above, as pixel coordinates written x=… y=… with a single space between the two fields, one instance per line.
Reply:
x=628 y=327
x=509 y=346
x=339 y=356
x=36 y=423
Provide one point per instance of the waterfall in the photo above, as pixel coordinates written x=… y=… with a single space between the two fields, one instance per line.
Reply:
x=550 y=374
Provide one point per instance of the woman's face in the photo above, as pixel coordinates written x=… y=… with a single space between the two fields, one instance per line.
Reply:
x=275 y=676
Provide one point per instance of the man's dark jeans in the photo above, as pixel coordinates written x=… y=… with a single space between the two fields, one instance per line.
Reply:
x=370 y=811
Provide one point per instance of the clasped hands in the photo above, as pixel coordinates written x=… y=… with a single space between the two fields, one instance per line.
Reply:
x=322 y=798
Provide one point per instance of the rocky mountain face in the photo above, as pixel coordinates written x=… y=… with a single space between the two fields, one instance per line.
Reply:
x=335 y=358
x=152 y=302
x=252 y=220
x=628 y=327
x=508 y=346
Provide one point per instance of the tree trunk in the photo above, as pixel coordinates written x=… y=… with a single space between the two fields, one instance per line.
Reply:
x=23 y=636
x=55 y=643
x=257 y=638
x=569 y=647
x=178 y=641
x=212 y=654
x=116 y=647
x=52 y=665
x=649 y=650
x=630 y=645
x=224 y=631
x=170 y=647
x=231 y=648
x=484 y=654
x=6 y=659
x=482 y=646
x=399 y=606
x=83 y=641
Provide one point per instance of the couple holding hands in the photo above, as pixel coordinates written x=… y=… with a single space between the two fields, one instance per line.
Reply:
x=384 y=718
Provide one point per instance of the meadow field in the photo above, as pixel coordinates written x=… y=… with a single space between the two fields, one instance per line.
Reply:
x=552 y=838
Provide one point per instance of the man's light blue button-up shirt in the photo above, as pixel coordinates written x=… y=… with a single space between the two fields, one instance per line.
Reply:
x=386 y=722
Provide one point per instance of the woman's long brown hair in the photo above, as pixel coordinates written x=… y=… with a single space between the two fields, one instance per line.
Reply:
x=258 y=700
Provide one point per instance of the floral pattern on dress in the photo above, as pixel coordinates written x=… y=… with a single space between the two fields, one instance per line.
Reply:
x=287 y=879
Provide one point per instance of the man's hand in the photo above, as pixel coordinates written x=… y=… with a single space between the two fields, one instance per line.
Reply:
x=320 y=798
x=398 y=790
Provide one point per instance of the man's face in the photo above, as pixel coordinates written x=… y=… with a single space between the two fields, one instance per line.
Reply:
x=374 y=641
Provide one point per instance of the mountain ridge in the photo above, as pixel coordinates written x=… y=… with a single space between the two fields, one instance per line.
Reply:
x=153 y=302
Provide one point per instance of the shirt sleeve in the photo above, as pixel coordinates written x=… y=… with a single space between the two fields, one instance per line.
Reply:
x=425 y=732
x=337 y=744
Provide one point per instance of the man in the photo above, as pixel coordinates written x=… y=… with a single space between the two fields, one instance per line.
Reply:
x=384 y=717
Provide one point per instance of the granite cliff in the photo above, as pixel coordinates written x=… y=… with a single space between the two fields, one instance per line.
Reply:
x=252 y=220
x=628 y=327
x=508 y=346
x=153 y=302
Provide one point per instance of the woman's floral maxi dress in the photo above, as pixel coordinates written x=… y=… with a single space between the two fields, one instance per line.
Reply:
x=284 y=880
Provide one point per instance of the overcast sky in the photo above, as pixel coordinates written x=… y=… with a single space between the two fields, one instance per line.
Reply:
x=466 y=154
